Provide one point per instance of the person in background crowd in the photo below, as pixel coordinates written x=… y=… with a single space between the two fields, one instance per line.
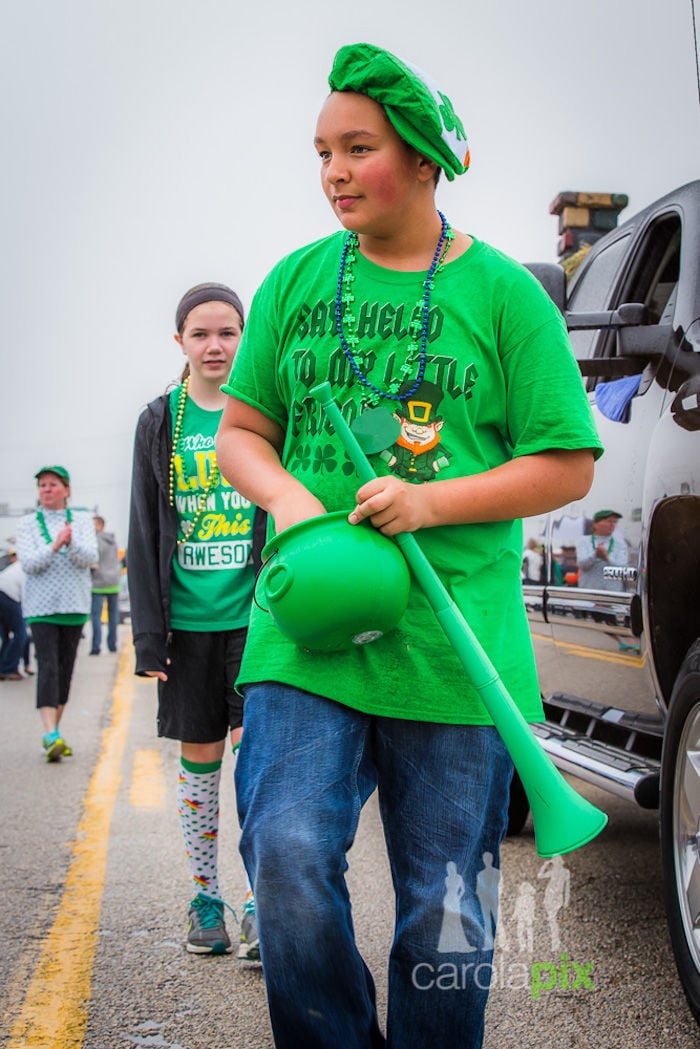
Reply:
x=569 y=565
x=56 y=547
x=27 y=654
x=602 y=547
x=106 y=582
x=533 y=562
x=12 y=625
x=191 y=584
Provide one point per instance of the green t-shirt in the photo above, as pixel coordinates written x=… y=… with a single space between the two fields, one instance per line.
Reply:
x=211 y=583
x=500 y=382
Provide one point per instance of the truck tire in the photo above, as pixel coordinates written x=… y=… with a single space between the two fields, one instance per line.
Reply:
x=518 y=807
x=680 y=824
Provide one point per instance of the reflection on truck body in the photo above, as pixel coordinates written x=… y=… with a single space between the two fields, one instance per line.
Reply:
x=631 y=630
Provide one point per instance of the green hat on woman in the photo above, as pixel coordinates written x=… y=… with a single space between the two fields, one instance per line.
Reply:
x=600 y=515
x=421 y=113
x=60 y=471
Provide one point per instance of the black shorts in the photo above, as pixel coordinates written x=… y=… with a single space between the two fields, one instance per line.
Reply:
x=198 y=703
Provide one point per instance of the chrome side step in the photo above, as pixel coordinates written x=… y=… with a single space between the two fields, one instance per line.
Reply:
x=605 y=746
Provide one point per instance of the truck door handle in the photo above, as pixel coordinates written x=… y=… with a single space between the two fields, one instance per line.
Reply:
x=686 y=404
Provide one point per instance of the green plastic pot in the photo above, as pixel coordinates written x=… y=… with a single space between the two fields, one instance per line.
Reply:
x=330 y=585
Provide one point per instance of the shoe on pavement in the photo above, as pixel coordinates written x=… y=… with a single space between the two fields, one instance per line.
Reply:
x=14 y=676
x=94 y=652
x=249 y=949
x=67 y=751
x=206 y=930
x=53 y=746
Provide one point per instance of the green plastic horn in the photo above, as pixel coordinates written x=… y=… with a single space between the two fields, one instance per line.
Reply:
x=562 y=818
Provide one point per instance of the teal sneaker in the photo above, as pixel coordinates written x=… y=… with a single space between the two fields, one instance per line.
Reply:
x=249 y=949
x=53 y=746
x=206 y=930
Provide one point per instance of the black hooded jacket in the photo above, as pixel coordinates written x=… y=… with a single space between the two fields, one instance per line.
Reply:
x=152 y=536
x=153 y=531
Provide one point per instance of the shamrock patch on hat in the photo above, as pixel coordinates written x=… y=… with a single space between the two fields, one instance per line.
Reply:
x=422 y=114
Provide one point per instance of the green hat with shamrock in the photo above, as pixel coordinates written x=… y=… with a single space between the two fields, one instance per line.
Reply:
x=421 y=113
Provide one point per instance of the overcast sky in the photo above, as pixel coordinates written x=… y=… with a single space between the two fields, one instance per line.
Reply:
x=153 y=144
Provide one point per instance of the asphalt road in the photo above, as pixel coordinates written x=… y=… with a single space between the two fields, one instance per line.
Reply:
x=96 y=891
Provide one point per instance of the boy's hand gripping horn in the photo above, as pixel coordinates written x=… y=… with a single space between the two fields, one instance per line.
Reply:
x=562 y=818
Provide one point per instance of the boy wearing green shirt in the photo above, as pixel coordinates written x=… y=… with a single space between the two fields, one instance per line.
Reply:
x=474 y=361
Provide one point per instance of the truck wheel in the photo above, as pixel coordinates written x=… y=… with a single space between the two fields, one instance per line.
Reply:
x=680 y=824
x=518 y=806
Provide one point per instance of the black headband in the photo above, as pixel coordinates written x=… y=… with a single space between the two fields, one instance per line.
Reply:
x=205 y=293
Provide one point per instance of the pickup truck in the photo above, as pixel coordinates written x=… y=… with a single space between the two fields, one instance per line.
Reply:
x=618 y=590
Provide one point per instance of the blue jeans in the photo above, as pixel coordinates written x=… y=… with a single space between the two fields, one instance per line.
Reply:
x=112 y=620
x=305 y=768
x=14 y=634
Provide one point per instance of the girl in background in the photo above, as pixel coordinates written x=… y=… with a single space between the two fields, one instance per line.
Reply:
x=191 y=584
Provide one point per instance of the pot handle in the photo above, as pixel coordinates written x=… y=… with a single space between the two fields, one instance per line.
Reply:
x=279 y=579
x=263 y=565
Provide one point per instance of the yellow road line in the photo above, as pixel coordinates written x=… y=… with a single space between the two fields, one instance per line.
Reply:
x=595 y=653
x=147 y=790
x=55 y=1009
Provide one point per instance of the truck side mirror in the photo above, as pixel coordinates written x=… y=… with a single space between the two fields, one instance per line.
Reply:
x=626 y=315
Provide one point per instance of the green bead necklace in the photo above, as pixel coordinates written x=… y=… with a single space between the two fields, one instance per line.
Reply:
x=345 y=320
x=41 y=520
x=188 y=527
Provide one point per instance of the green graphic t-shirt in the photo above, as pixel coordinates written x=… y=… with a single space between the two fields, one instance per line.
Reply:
x=500 y=382
x=212 y=578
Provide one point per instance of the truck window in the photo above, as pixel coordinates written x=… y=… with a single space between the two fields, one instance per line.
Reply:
x=590 y=292
x=655 y=276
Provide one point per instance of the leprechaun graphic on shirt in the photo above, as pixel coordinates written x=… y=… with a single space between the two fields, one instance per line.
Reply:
x=418 y=454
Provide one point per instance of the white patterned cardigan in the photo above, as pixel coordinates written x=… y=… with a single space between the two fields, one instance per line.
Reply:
x=57 y=583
